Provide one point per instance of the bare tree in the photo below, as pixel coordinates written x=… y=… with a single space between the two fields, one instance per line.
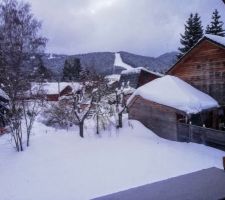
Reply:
x=15 y=123
x=121 y=102
x=19 y=45
x=81 y=114
x=32 y=107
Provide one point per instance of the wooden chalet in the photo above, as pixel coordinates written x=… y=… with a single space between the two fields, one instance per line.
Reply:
x=204 y=67
x=175 y=110
x=137 y=77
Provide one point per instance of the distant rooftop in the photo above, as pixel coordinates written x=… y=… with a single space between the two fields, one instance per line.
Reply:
x=138 y=70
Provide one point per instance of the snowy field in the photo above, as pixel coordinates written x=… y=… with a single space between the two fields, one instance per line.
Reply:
x=60 y=165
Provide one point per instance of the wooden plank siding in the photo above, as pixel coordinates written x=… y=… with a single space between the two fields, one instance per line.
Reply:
x=204 y=68
x=146 y=77
x=201 y=135
x=159 y=118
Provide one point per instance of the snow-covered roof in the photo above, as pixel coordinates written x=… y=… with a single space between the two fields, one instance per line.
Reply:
x=216 y=38
x=4 y=95
x=55 y=87
x=138 y=70
x=113 y=78
x=174 y=92
x=119 y=62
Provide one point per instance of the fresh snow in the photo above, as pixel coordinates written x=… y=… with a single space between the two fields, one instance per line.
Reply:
x=138 y=70
x=216 y=38
x=119 y=62
x=60 y=165
x=174 y=92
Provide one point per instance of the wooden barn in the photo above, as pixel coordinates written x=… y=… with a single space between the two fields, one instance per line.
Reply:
x=204 y=67
x=137 y=77
x=175 y=110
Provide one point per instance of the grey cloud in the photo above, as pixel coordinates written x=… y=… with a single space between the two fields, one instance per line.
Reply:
x=148 y=27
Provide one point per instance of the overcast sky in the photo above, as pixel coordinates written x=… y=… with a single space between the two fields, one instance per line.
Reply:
x=146 y=27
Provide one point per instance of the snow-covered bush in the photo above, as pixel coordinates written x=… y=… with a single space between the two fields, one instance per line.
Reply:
x=59 y=115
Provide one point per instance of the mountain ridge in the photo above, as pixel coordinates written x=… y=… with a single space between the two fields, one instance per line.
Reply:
x=103 y=62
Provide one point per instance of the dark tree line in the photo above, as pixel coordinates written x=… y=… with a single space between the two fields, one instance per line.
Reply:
x=194 y=31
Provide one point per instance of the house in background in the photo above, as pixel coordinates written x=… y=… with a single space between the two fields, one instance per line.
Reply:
x=52 y=91
x=137 y=77
x=164 y=102
x=204 y=67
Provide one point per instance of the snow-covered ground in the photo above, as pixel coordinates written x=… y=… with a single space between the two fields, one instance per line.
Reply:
x=60 y=165
x=119 y=62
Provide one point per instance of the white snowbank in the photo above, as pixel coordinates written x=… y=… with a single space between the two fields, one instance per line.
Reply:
x=119 y=62
x=216 y=38
x=138 y=70
x=174 y=92
x=60 y=165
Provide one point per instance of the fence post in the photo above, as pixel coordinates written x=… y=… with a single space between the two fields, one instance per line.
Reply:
x=224 y=163
x=190 y=132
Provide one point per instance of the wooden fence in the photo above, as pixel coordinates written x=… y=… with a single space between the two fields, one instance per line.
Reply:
x=201 y=135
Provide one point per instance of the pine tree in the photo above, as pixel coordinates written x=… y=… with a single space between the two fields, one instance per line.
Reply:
x=72 y=70
x=193 y=32
x=198 y=29
x=216 y=26
x=42 y=73
x=77 y=68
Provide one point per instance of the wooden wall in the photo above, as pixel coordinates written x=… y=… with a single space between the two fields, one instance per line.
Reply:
x=201 y=135
x=52 y=97
x=204 y=68
x=160 y=119
x=146 y=77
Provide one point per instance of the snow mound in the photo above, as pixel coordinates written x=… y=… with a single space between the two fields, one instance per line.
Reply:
x=138 y=70
x=174 y=92
x=60 y=165
x=216 y=38
x=119 y=62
